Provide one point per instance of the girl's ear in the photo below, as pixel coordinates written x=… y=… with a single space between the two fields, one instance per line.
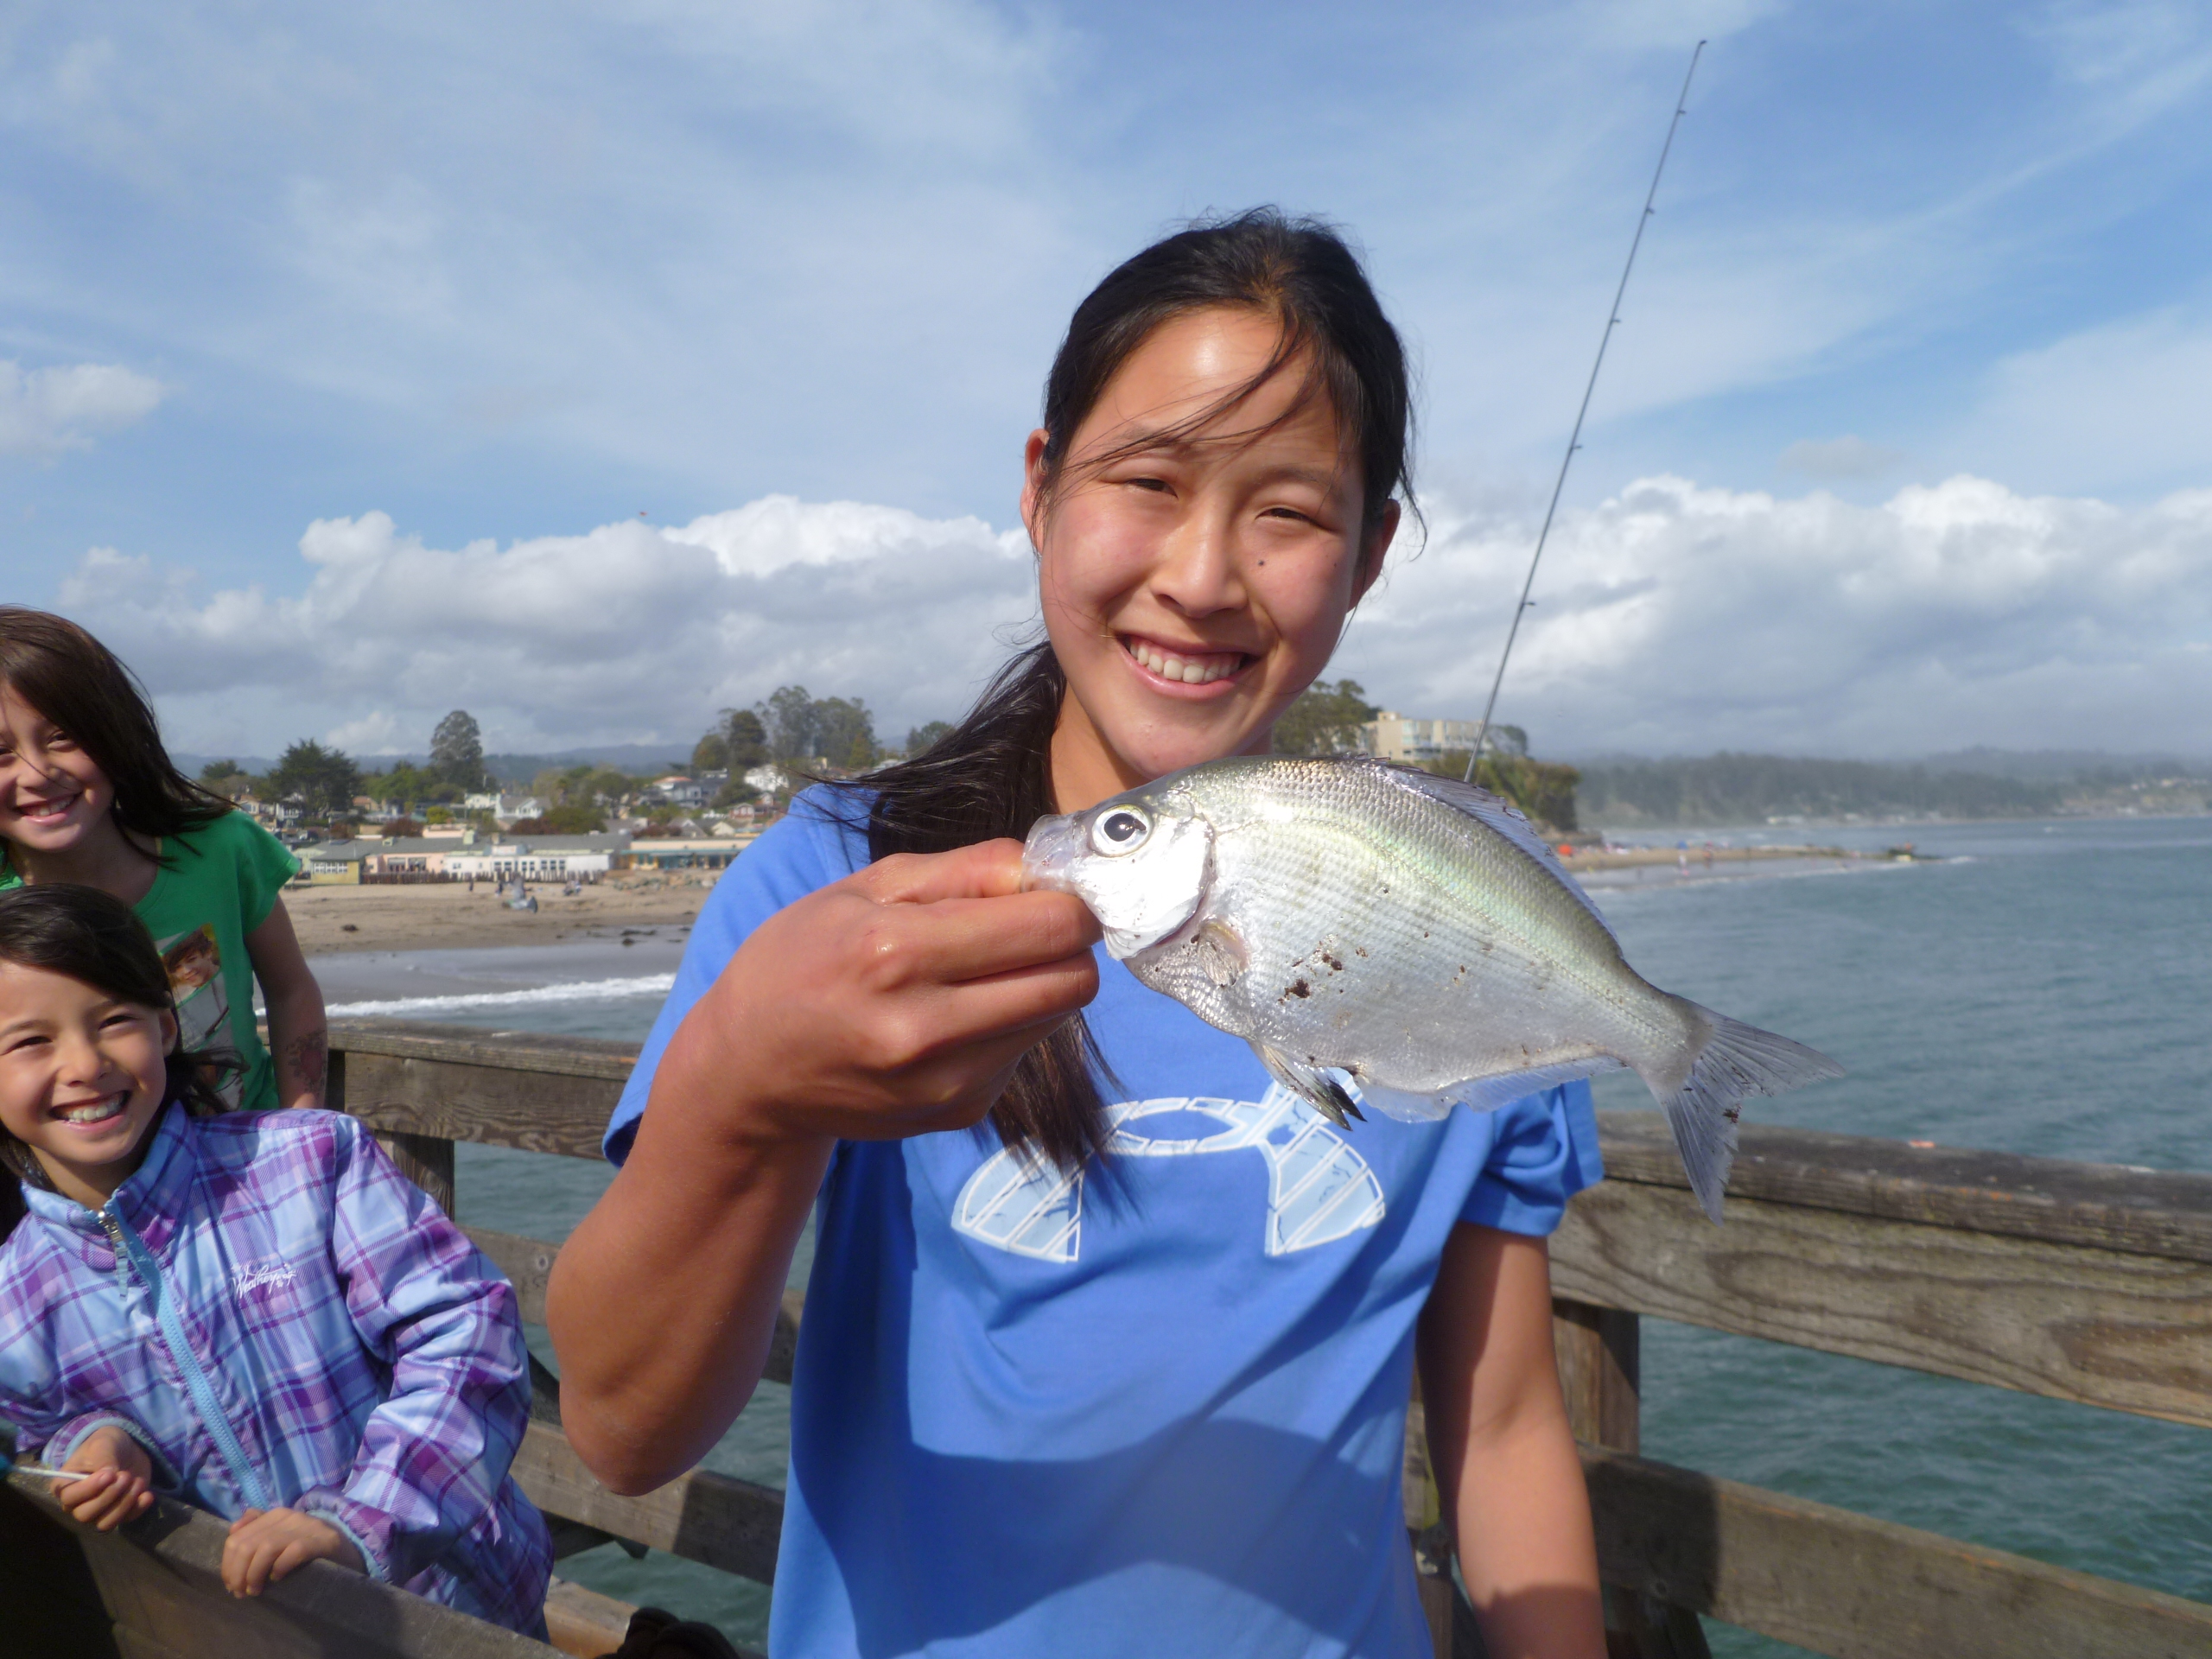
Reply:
x=1032 y=487
x=169 y=1030
x=1373 y=548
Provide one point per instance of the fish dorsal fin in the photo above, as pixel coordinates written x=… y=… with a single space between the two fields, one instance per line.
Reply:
x=1494 y=813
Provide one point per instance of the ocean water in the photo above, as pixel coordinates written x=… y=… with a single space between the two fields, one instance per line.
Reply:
x=2040 y=989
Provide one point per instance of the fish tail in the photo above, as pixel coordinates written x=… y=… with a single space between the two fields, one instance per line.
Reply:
x=1734 y=1060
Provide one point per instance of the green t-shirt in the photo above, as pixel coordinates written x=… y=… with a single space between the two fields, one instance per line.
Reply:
x=218 y=883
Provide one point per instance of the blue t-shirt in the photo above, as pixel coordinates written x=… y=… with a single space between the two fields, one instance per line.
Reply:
x=1156 y=1409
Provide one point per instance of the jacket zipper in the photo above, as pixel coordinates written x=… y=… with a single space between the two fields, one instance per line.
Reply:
x=128 y=1247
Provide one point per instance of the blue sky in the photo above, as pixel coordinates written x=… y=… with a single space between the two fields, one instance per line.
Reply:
x=509 y=275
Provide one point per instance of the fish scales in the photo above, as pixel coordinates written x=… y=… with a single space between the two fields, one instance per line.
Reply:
x=1366 y=924
x=1376 y=913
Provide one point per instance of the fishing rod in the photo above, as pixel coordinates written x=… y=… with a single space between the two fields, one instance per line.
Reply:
x=1574 y=438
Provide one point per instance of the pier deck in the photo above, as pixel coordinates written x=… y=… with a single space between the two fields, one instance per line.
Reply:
x=2081 y=1283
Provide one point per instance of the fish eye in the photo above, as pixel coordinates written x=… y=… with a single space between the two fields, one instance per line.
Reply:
x=1121 y=831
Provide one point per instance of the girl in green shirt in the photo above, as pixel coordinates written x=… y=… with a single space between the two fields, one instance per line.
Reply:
x=88 y=794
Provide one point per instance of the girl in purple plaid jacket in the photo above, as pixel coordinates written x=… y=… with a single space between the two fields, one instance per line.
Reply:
x=255 y=1311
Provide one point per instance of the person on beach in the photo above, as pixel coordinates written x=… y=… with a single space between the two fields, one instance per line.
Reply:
x=254 y=1311
x=88 y=794
x=1109 y=1341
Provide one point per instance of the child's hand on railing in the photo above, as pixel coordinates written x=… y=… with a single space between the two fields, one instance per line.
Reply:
x=266 y=1545
x=119 y=1486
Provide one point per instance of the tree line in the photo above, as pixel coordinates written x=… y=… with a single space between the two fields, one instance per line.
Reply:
x=1733 y=789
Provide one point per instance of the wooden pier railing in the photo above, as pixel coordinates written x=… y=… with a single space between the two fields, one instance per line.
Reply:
x=2082 y=1282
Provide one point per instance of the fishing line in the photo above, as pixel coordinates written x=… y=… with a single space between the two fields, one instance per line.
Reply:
x=1574 y=438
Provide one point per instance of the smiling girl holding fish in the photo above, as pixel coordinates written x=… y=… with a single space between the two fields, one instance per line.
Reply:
x=1080 y=1377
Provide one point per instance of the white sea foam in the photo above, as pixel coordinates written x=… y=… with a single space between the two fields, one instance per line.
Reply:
x=588 y=990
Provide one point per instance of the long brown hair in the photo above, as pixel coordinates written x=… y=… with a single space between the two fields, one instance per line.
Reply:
x=97 y=940
x=992 y=774
x=80 y=686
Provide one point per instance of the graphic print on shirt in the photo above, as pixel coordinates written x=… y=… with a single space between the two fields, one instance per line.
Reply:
x=195 y=962
x=1319 y=1189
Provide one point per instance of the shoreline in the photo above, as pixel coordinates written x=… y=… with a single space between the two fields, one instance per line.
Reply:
x=342 y=920
x=463 y=939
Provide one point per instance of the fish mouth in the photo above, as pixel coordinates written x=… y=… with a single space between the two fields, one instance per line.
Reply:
x=1049 y=855
x=1182 y=665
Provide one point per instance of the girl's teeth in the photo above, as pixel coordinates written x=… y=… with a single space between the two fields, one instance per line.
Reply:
x=97 y=1112
x=1171 y=667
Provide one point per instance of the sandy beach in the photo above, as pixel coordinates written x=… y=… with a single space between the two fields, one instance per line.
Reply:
x=447 y=916
x=1636 y=866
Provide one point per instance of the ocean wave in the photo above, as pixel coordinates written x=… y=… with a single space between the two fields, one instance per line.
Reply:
x=586 y=990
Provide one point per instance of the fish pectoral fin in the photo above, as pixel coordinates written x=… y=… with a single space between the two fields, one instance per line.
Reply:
x=1220 y=953
x=1311 y=1084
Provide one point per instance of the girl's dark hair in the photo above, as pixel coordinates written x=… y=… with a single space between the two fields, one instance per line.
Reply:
x=79 y=684
x=96 y=939
x=991 y=775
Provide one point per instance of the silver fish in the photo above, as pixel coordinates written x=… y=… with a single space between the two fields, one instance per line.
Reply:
x=1358 y=921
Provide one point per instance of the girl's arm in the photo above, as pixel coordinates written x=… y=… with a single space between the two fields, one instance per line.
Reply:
x=299 y=1040
x=892 y=1003
x=443 y=1322
x=1505 y=1462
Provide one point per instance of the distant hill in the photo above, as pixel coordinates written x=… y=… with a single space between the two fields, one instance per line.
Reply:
x=1731 y=789
x=2067 y=766
x=507 y=768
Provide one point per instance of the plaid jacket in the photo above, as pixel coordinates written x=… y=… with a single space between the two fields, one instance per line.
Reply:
x=280 y=1317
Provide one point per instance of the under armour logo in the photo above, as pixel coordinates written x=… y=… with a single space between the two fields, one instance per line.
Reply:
x=1319 y=1189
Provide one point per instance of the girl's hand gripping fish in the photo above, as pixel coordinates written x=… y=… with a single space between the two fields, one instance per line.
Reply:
x=1407 y=931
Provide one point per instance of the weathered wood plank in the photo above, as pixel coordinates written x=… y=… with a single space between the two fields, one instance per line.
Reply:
x=492 y=1104
x=1599 y=1351
x=583 y=1624
x=2128 y=1332
x=160 y=1577
x=1859 y=1588
x=2105 y=1205
x=731 y=1524
x=528 y=1263
x=426 y=1160
x=517 y=1051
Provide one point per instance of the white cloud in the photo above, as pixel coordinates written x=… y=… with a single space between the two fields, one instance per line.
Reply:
x=1671 y=617
x=629 y=632
x=45 y=411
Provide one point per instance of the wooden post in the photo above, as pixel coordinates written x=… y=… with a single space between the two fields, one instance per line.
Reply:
x=1599 y=1351
x=1453 y=1631
x=425 y=1159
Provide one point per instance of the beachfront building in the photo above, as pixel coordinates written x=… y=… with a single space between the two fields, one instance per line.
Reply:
x=421 y=857
x=540 y=858
x=334 y=863
x=686 y=852
x=1413 y=740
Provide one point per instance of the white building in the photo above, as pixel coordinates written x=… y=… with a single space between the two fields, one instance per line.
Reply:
x=540 y=858
x=504 y=809
x=1401 y=737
